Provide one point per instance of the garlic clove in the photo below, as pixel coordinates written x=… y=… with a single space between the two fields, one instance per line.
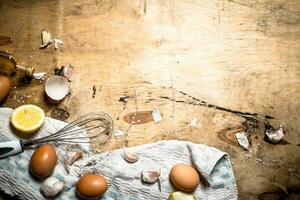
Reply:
x=70 y=159
x=150 y=176
x=51 y=187
x=130 y=157
x=46 y=39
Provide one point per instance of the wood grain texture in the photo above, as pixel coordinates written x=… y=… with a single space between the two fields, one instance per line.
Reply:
x=232 y=64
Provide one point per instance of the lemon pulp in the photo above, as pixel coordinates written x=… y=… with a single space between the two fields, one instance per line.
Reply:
x=181 y=196
x=28 y=118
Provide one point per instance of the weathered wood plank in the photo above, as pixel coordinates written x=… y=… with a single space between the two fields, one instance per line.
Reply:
x=229 y=63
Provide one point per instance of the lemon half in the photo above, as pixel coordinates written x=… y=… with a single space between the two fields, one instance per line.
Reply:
x=27 y=118
x=181 y=196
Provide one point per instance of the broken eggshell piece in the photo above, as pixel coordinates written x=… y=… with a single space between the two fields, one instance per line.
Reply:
x=56 y=88
x=39 y=75
x=150 y=176
x=275 y=136
x=57 y=43
x=46 y=39
x=67 y=71
x=243 y=140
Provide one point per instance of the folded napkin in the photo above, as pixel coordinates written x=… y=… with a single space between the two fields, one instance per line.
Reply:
x=124 y=178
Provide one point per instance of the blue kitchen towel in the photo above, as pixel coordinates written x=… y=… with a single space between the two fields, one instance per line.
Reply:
x=124 y=178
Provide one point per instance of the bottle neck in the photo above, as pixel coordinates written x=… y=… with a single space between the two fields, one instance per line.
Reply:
x=27 y=70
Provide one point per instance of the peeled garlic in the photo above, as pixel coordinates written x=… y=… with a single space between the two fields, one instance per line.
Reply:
x=130 y=157
x=70 y=159
x=150 y=176
x=51 y=187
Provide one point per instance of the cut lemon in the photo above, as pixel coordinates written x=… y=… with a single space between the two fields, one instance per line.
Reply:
x=27 y=118
x=181 y=196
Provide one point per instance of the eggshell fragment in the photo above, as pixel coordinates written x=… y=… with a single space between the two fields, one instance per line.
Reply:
x=43 y=161
x=56 y=88
x=67 y=71
x=5 y=85
x=91 y=186
x=275 y=136
x=184 y=177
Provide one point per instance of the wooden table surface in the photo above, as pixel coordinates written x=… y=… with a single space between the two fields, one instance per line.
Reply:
x=233 y=65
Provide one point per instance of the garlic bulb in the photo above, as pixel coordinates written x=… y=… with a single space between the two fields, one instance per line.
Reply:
x=130 y=157
x=51 y=187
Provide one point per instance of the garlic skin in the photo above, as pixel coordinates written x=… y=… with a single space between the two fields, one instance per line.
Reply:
x=51 y=187
x=275 y=136
x=130 y=157
x=150 y=176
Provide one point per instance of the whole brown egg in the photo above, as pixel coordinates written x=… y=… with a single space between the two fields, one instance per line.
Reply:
x=43 y=161
x=184 y=177
x=5 y=85
x=91 y=186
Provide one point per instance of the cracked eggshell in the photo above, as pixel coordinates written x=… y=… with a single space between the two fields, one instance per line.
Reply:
x=56 y=89
x=275 y=136
x=67 y=71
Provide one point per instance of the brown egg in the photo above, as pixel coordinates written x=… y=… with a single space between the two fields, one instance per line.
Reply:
x=5 y=85
x=91 y=186
x=43 y=161
x=184 y=177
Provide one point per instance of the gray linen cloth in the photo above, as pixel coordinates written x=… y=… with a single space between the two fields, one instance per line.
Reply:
x=124 y=179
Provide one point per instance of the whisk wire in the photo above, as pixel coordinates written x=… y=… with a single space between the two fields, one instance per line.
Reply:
x=84 y=124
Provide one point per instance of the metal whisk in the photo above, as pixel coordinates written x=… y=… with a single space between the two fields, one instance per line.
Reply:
x=82 y=130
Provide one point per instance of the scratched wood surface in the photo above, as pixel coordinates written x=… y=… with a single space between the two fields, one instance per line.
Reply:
x=233 y=65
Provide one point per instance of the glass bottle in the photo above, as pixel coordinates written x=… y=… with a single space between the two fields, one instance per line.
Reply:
x=8 y=65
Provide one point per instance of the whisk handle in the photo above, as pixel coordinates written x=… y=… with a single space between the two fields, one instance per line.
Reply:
x=11 y=148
